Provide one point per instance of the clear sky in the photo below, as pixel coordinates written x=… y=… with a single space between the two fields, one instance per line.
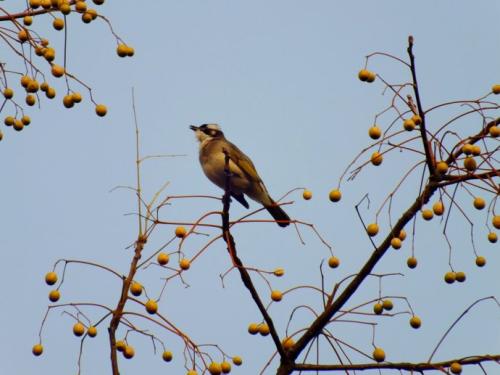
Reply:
x=280 y=78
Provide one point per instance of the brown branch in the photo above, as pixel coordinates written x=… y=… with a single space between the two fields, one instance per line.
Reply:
x=31 y=12
x=417 y=367
x=231 y=247
x=423 y=133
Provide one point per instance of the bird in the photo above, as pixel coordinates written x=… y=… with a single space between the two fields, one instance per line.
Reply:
x=244 y=177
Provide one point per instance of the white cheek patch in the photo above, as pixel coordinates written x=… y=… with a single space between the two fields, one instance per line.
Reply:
x=213 y=126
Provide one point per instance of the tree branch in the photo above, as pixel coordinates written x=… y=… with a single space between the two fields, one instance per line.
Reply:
x=417 y=367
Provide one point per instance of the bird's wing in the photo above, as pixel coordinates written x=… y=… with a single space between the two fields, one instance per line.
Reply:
x=244 y=163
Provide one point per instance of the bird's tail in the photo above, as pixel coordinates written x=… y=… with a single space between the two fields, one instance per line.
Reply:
x=282 y=219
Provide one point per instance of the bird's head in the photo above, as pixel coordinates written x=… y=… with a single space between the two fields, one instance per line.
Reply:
x=206 y=132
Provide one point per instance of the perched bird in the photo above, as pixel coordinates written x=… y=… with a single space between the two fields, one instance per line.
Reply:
x=244 y=177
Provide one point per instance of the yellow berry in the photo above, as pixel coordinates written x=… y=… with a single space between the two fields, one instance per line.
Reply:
x=80 y=6
x=51 y=278
x=192 y=372
x=18 y=125
x=253 y=328
x=409 y=124
x=225 y=367
x=460 y=276
x=92 y=13
x=467 y=149
x=288 y=342
x=378 y=308
x=1 y=135
x=180 y=232
x=276 y=295
x=438 y=208
x=50 y=93
x=23 y=35
x=136 y=288
x=35 y=3
x=307 y=194
x=151 y=306
x=417 y=119
x=480 y=261
x=167 y=356
x=415 y=322
x=9 y=121
x=184 y=264
x=456 y=368
x=495 y=89
x=363 y=75
x=264 y=329
x=470 y=164
x=101 y=110
x=376 y=158
x=379 y=355
x=335 y=195
x=128 y=352
x=411 y=262
x=476 y=150
x=387 y=304
x=396 y=243
x=402 y=235
x=46 y=4
x=92 y=331
x=479 y=203
x=492 y=237
x=450 y=277
x=120 y=345
x=162 y=258
x=87 y=17
x=78 y=329
x=57 y=70
x=26 y=120
x=68 y=101
x=372 y=229
x=374 y=132
x=30 y=99
x=121 y=50
x=442 y=167
x=130 y=51
x=427 y=214
x=77 y=97
x=54 y=295
x=25 y=80
x=214 y=368
x=496 y=221
x=64 y=8
x=494 y=131
x=33 y=86
x=49 y=54
x=237 y=360
x=8 y=93
x=333 y=262
x=58 y=23
x=37 y=349
x=371 y=77
x=279 y=272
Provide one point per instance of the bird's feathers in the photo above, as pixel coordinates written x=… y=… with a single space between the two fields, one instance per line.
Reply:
x=244 y=177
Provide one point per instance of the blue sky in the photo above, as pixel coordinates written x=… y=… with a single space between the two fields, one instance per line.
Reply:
x=280 y=79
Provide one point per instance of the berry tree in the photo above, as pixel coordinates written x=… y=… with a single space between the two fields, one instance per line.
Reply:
x=452 y=172
x=31 y=76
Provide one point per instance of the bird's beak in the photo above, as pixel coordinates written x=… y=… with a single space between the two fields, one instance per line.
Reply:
x=193 y=128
